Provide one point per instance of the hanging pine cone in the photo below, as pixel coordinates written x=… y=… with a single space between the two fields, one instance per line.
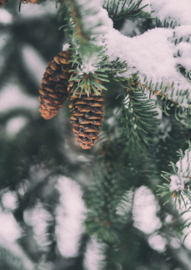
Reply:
x=53 y=90
x=86 y=115
x=2 y=2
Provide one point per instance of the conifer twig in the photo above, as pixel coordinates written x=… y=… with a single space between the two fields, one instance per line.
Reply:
x=76 y=17
x=159 y=92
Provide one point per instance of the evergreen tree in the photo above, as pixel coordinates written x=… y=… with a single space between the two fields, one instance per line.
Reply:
x=118 y=77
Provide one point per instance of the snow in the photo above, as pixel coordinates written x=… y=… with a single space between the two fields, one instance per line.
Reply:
x=127 y=4
x=70 y=215
x=38 y=218
x=30 y=10
x=148 y=7
x=93 y=255
x=157 y=242
x=14 y=125
x=153 y=53
x=146 y=50
x=183 y=31
x=185 y=51
x=178 y=10
x=176 y=183
x=65 y=46
x=34 y=62
x=184 y=168
x=10 y=230
x=5 y=16
x=11 y=97
x=89 y=64
x=144 y=211
x=9 y=200
x=95 y=21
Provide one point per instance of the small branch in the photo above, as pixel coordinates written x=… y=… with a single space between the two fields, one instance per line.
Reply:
x=76 y=17
x=158 y=93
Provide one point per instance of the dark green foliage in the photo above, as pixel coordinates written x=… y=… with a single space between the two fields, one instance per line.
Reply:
x=11 y=261
x=140 y=118
x=135 y=145
x=132 y=12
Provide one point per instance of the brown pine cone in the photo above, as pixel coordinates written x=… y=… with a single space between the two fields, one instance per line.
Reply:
x=2 y=2
x=53 y=89
x=86 y=115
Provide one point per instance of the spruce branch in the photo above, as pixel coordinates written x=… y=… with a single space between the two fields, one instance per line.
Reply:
x=164 y=24
x=89 y=62
x=140 y=119
x=103 y=219
x=88 y=82
x=77 y=17
x=179 y=182
x=128 y=9
x=167 y=94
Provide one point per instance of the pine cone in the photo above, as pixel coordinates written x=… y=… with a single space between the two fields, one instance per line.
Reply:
x=53 y=90
x=86 y=115
x=2 y=2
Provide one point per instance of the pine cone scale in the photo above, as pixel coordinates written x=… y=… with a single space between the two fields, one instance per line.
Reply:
x=53 y=89
x=86 y=115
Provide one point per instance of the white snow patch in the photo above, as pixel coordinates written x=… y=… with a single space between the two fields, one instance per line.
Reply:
x=5 y=16
x=144 y=212
x=15 y=125
x=179 y=10
x=9 y=200
x=97 y=23
x=38 y=218
x=33 y=10
x=151 y=53
x=65 y=46
x=89 y=64
x=183 y=174
x=34 y=62
x=70 y=215
x=11 y=97
x=185 y=52
x=93 y=255
x=9 y=229
x=157 y=242
x=176 y=183
x=183 y=31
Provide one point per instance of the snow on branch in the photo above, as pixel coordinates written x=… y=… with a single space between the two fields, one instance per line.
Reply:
x=155 y=55
x=152 y=55
x=125 y=4
x=178 y=10
x=129 y=9
x=183 y=174
x=89 y=19
x=179 y=183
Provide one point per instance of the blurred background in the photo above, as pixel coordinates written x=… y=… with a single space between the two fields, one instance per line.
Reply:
x=44 y=173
